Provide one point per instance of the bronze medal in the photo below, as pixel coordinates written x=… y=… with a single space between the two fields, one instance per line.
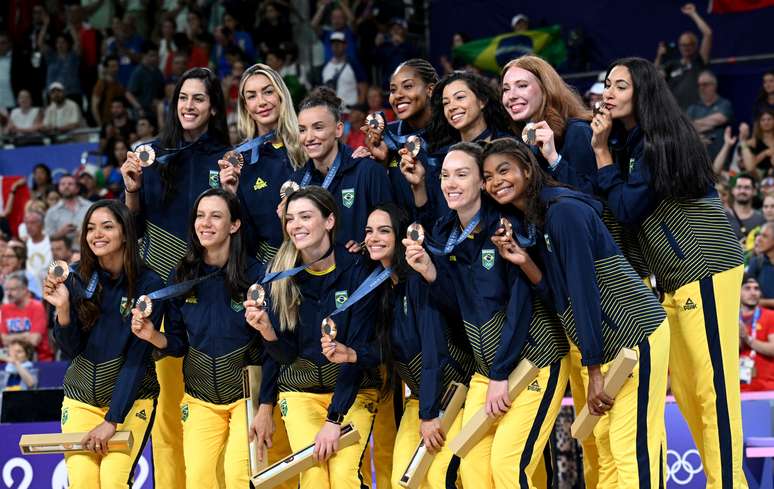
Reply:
x=288 y=188
x=598 y=106
x=146 y=154
x=59 y=269
x=416 y=232
x=236 y=159
x=413 y=145
x=328 y=328
x=256 y=293
x=145 y=305
x=375 y=122
x=505 y=228
x=529 y=135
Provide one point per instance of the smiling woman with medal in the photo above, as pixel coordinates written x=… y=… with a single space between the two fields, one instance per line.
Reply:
x=656 y=178
x=503 y=323
x=419 y=343
x=270 y=154
x=207 y=326
x=330 y=286
x=185 y=158
x=603 y=304
x=111 y=383
x=357 y=184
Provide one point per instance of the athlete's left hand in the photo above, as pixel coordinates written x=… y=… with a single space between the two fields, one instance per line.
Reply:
x=326 y=443
x=353 y=246
x=601 y=125
x=598 y=401
x=497 y=400
x=337 y=352
x=432 y=434
x=97 y=439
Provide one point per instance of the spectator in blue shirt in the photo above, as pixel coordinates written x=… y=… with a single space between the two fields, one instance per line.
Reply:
x=711 y=113
x=393 y=49
x=761 y=266
x=146 y=86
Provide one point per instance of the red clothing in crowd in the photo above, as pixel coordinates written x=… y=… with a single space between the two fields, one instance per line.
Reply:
x=763 y=378
x=29 y=319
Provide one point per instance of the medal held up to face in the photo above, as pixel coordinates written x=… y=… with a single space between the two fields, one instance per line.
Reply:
x=257 y=293
x=598 y=106
x=236 y=159
x=328 y=328
x=59 y=269
x=375 y=122
x=145 y=305
x=505 y=228
x=529 y=134
x=288 y=188
x=413 y=145
x=416 y=232
x=146 y=153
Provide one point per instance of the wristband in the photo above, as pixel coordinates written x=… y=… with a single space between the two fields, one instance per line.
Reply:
x=335 y=418
x=130 y=191
x=555 y=163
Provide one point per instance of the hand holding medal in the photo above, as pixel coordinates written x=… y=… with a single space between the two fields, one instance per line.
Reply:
x=374 y=130
x=142 y=327
x=412 y=169
x=143 y=156
x=54 y=290
x=416 y=255
x=541 y=135
x=601 y=124
x=230 y=169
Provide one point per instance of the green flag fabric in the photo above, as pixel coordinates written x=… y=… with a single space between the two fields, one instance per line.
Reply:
x=492 y=53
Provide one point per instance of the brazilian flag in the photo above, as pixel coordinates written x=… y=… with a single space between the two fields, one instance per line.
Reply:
x=492 y=53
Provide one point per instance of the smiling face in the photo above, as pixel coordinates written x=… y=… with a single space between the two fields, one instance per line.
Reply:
x=619 y=94
x=504 y=179
x=461 y=107
x=409 y=95
x=194 y=108
x=306 y=226
x=380 y=237
x=318 y=132
x=104 y=234
x=460 y=181
x=262 y=101
x=213 y=224
x=522 y=96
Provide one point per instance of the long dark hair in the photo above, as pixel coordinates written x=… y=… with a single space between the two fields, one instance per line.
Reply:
x=88 y=310
x=192 y=264
x=762 y=95
x=171 y=136
x=441 y=133
x=399 y=221
x=678 y=161
x=535 y=211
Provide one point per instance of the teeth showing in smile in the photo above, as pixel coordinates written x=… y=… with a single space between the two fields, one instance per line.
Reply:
x=457 y=116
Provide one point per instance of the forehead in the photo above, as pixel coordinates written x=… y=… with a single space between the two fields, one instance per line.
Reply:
x=101 y=215
x=516 y=73
x=314 y=114
x=620 y=72
x=404 y=74
x=193 y=85
x=379 y=218
x=494 y=160
x=212 y=203
x=455 y=87
x=302 y=205
x=457 y=160
x=256 y=82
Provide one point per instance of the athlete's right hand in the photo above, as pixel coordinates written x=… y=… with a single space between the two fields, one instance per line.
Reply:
x=55 y=292
x=131 y=170
x=375 y=144
x=432 y=434
x=419 y=260
x=262 y=428
x=229 y=176
x=411 y=168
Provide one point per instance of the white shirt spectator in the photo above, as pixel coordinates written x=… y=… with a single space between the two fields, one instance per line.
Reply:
x=57 y=116
x=24 y=120
x=61 y=214
x=346 y=85
x=39 y=257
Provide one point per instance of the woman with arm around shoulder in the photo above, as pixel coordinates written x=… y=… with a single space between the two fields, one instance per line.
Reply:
x=265 y=116
x=111 y=383
x=660 y=185
x=317 y=397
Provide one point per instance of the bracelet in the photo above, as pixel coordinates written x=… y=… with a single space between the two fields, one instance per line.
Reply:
x=130 y=191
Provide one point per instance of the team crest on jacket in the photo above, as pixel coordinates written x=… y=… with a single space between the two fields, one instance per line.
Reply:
x=236 y=305
x=125 y=307
x=214 y=180
x=184 y=412
x=348 y=197
x=65 y=414
x=487 y=258
x=341 y=297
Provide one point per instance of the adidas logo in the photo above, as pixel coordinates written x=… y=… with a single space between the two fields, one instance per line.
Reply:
x=689 y=304
x=141 y=414
x=534 y=386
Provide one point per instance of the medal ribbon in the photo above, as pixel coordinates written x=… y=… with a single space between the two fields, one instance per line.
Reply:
x=254 y=146
x=176 y=290
x=272 y=276
x=328 y=178
x=376 y=278
x=455 y=237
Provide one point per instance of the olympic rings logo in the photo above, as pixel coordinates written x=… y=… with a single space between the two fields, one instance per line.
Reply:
x=682 y=469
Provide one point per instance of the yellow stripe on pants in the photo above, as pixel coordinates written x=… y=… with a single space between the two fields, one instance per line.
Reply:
x=509 y=454
x=442 y=470
x=578 y=390
x=704 y=369
x=113 y=471
x=630 y=437
x=304 y=414
x=383 y=445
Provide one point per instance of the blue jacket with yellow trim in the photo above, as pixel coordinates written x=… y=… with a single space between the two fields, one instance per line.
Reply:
x=475 y=281
x=426 y=354
x=163 y=222
x=603 y=304
x=682 y=241
x=360 y=185
x=259 y=193
x=207 y=326
x=304 y=368
x=111 y=366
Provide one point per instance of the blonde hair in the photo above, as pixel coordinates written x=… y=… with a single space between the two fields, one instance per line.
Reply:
x=285 y=294
x=287 y=125
x=560 y=101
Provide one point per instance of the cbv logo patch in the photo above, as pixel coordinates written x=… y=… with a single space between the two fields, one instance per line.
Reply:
x=341 y=297
x=348 y=197
x=214 y=180
x=487 y=258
